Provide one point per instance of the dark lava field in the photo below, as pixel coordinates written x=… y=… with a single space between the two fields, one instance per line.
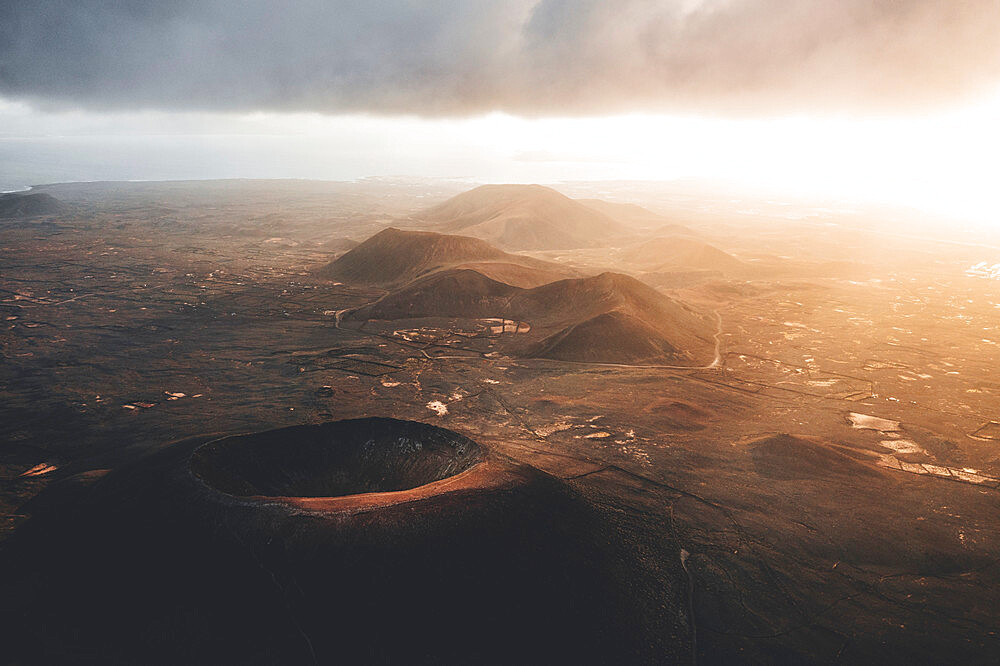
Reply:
x=388 y=421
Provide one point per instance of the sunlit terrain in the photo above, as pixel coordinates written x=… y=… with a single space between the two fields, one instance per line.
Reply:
x=505 y=332
x=800 y=399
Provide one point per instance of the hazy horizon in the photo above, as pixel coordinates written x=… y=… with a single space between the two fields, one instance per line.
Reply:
x=891 y=103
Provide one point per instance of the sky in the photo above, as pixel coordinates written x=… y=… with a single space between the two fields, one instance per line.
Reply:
x=873 y=100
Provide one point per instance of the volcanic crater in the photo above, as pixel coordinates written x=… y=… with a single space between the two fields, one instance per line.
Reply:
x=335 y=459
x=309 y=543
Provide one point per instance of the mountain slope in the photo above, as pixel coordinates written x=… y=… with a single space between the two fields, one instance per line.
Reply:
x=617 y=318
x=583 y=298
x=35 y=204
x=394 y=257
x=448 y=293
x=612 y=337
x=608 y=318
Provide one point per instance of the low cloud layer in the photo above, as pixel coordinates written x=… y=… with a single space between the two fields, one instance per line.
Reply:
x=527 y=57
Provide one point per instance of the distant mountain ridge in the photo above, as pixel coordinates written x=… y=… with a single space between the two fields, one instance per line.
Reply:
x=523 y=217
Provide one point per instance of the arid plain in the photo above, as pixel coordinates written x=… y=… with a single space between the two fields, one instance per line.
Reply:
x=788 y=415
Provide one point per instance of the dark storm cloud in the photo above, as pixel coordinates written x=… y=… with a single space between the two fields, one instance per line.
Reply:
x=521 y=56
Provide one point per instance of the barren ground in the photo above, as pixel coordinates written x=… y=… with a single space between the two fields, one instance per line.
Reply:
x=160 y=313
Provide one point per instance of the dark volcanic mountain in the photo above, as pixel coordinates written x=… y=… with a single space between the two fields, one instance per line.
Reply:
x=612 y=337
x=614 y=318
x=395 y=257
x=361 y=518
x=524 y=217
x=35 y=204
x=608 y=318
x=457 y=292
x=582 y=298
x=527 y=273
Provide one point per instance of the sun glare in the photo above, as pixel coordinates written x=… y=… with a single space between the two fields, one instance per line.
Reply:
x=944 y=163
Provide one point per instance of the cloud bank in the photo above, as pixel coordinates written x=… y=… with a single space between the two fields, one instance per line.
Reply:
x=525 y=57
